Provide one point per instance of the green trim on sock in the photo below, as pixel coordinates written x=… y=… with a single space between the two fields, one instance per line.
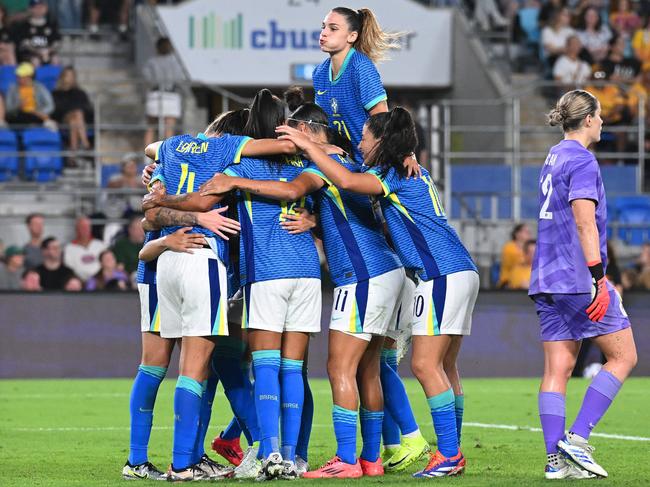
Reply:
x=340 y=409
x=266 y=354
x=154 y=370
x=459 y=401
x=388 y=352
x=189 y=384
x=441 y=400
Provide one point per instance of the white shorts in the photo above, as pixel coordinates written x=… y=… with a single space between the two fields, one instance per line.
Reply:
x=444 y=306
x=403 y=324
x=149 y=315
x=192 y=294
x=283 y=305
x=369 y=307
x=163 y=104
x=236 y=307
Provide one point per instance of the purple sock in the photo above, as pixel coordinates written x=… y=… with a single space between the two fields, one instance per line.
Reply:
x=599 y=396
x=552 y=415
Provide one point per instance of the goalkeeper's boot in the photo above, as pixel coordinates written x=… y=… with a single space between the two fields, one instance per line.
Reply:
x=558 y=467
x=410 y=451
x=441 y=466
x=142 y=471
x=578 y=450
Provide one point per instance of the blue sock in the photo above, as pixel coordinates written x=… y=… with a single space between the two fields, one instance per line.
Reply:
x=306 y=419
x=396 y=401
x=293 y=398
x=443 y=413
x=232 y=431
x=459 y=402
x=371 y=422
x=227 y=363
x=266 y=364
x=209 y=390
x=187 y=411
x=389 y=429
x=143 y=397
x=345 y=430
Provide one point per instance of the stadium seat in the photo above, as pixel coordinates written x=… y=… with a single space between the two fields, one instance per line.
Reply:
x=495 y=273
x=42 y=167
x=9 y=163
x=528 y=20
x=48 y=74
x=482 y=183
x=108 y=171
x=633 y=216
x=7 y=78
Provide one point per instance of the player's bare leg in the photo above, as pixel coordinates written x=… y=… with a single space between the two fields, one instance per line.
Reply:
x=344 y=355
x=195 y=357
x=620 y=352
x=427 y=363
x=156 y=350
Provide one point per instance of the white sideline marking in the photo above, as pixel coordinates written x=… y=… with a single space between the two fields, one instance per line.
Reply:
x=537 y=430
x=509 y=427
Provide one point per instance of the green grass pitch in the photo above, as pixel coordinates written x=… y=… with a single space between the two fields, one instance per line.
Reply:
x=75 y=432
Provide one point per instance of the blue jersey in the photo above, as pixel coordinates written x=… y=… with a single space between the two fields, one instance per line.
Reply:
x=146 y=273
x=347 y=99
x=186 y=162
x=354 y=241
x=424 y=240
x=268 y=251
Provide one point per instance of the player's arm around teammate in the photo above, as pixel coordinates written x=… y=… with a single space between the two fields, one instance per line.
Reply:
x=572 y=296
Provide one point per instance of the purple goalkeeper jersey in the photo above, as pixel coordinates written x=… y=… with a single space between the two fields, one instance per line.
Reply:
x=570 y=172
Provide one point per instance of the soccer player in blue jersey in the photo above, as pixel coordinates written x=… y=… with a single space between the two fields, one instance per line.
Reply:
x=447 y=279
x=573 y=298
x=366 y=299
x=347 y=85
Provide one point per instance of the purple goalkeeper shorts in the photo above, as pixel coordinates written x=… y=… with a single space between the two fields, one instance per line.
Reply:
x=563 y=316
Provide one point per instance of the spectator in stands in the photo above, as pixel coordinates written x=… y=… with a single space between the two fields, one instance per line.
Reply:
x=520 y=274
x=641 y=41
x=126 y=249
x=30 y=281
x=99 y=8
x=643 y=267
x=73 y=284
x=487 y=15
x=614 y=108
x=69 y=13
x=163 y=75
x=12 y=270
x=548 y=10
x=33 y=251
x=37 y=38
x=512 y=253
x=53 y=272
x=110 y=277
x=569 y=69
x=594 y=35
x=618 y=67
x=613 y=271
x=7 y=48
x=624 y=21
x=28 y=101
x=82 y=254
x=129 y=178
x=72 y=107
x=640 y=91
x=555 y=36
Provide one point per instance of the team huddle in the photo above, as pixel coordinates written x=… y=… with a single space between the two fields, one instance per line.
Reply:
x=341 y=168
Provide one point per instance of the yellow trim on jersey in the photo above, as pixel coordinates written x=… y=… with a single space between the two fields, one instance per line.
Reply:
x=248 y=202
x=155 y=322
x=336 y=196
x=381 y=181
x=354 y=314
x=221 y=318
x=184 y=173
x=435 y=197
x=431 y=319
x=157 y=155
x=190 y=182
x=394 y=199
x=243 y=143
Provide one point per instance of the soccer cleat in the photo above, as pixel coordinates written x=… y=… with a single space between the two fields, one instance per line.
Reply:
x=579 y=451
x=388 y=453
x=371 y=469
x=409 y=452
x=189 y=474
x=250 y=466
x=302 y=466
x=215 y=470
x=290 y=471
x=559 y=468
x=440 y=466
x=272 y=467
x=228 y=449
x=336 y=469
x=145 y=470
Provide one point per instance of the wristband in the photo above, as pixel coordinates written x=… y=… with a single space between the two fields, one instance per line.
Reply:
x=597 y=270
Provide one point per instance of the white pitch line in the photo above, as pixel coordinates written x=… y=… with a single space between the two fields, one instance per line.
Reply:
x=538 y=430
x=508 y=427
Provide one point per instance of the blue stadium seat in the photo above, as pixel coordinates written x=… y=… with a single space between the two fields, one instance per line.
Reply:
x=490 y=179
x=48 y=74
x=633 y=216
x=8 y=164
x=528 y=20
x=108 y=171
x=42 y=167
x=495 y=273
x=7 y=78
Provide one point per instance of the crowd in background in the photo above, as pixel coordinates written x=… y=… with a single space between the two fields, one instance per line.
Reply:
x=86 y=263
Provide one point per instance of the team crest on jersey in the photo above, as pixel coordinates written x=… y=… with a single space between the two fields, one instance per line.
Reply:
x=335 y=105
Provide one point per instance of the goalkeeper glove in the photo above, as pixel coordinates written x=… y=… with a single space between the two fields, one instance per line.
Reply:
x=599 y=292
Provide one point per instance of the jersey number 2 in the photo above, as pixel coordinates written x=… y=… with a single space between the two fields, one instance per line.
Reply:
x=547 y=190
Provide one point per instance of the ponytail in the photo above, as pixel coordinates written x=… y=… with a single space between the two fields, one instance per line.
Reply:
x=371 y=40
x=266 y=113
x=397 y=139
